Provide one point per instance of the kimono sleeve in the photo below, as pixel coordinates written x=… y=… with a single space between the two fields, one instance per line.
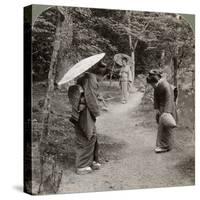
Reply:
x=167 y=98
x=156 y=104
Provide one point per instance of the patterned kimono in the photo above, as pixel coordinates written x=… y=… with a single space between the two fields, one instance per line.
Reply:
x=86 y=137
x=164 y=102
x=125 y=82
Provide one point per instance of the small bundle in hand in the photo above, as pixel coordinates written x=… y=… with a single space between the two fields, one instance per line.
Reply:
x=168 y=120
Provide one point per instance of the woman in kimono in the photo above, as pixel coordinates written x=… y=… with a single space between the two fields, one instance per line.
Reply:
x=164 y=102
x=86 y=137
x=125 y=80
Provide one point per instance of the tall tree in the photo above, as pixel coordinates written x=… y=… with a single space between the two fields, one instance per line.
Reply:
x=47 y=104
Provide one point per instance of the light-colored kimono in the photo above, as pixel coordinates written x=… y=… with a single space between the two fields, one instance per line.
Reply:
x=125 y=82
x=164 y=102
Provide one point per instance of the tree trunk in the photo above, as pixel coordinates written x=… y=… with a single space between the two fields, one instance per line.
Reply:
x=66 y=38
x=193 y=77
x=132 y=49
x=44 y=172
x=175 y=64
x=51 y=80
x=131 y=45
x=111 y=74
x=133 y=65
x=162 y=59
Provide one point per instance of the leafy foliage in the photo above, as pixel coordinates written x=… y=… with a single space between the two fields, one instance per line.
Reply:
x=89 y=31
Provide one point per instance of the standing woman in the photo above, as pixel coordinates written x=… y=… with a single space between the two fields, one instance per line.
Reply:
x=164 y=102
x=86 y=137
x=125 y=80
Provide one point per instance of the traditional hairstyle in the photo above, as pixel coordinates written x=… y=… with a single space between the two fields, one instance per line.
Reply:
x=154 y=76
x=125 y=58
x=155 y=72
x=152 y=79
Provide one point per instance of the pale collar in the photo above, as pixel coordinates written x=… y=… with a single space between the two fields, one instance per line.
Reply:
x=160 y=81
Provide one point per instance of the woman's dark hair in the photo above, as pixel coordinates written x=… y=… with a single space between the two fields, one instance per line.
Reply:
x=124 y=58
x=81 y=79
x=153 y=79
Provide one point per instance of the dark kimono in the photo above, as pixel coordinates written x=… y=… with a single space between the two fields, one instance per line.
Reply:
x=164 y=102
x=86 y=137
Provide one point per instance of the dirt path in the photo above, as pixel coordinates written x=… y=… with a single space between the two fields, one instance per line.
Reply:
x=129 y=161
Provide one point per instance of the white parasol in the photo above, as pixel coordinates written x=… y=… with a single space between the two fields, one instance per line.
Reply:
x=81 y=67
x=118 y=58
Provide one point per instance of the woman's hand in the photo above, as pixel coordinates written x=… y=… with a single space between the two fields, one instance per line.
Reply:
x=81 y=107
x=157 y=116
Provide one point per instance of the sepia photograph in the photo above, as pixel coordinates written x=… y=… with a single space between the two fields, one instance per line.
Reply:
x=109 y=100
